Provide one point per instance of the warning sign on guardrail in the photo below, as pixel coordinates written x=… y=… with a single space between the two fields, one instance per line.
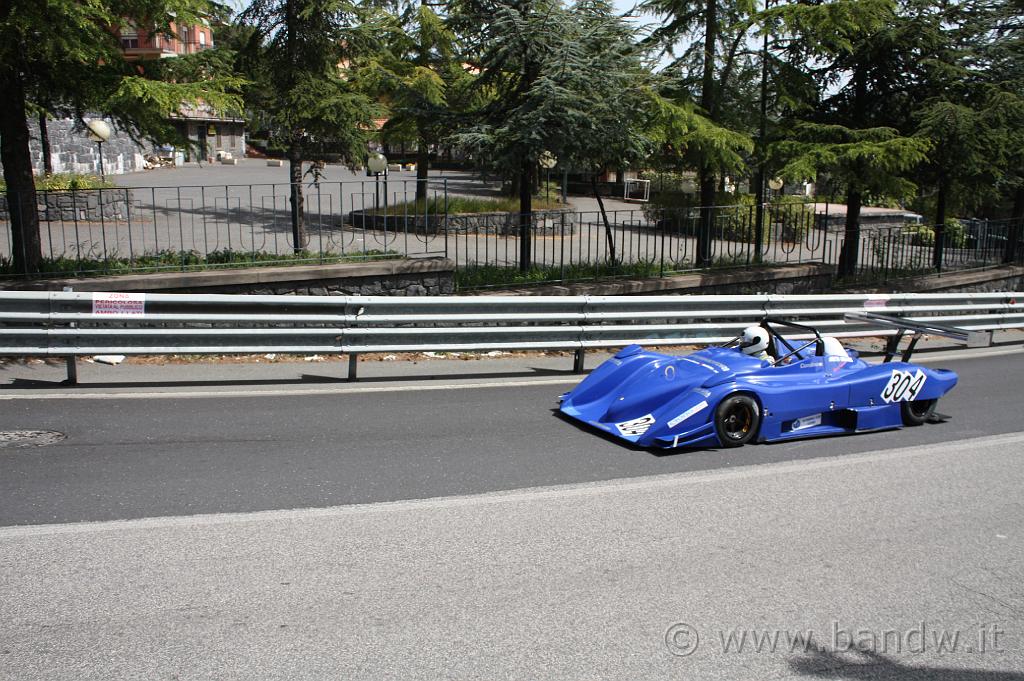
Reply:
x=120 y=304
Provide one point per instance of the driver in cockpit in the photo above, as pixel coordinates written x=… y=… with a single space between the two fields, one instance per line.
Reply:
x=754 y=342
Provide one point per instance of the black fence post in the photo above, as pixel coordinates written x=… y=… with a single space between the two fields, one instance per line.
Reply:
x=1012 y=241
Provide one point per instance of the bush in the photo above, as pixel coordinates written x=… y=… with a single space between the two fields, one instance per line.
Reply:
x=924 y=235
x=66 y=182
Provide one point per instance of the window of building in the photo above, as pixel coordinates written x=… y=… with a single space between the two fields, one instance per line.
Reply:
x=202 y=37
x=129 y=38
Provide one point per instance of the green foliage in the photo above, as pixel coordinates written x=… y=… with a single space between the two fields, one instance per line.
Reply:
x=294 y=59
x=863 y=160
x=62 y=57
x=564 y=81
x=418 y=76
x=185 y=261
x=924 y=235
x=689 y=136
x=74 y=63
x=66 y=181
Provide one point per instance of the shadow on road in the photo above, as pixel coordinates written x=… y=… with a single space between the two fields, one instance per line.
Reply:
x=869 y=665
x=27 y=384
x=655 y=451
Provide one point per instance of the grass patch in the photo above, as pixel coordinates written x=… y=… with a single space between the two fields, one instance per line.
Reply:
x=66 y=182
x=464 y=204
x=187 y=261
x=490 y=276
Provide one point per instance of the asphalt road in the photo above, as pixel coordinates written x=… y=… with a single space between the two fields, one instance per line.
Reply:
x=148 y=457
x=241 y=542
x=903 y=551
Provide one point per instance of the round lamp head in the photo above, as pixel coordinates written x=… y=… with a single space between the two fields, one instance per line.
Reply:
x=775 y=183
x=376 y=163
x=547 y=160
x=99 y=130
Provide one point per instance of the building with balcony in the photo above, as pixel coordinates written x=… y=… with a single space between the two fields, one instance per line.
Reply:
x=138 y=43
x=213 y=133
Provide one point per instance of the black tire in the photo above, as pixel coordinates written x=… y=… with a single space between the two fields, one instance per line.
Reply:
x=737 y=420
x=916 y=412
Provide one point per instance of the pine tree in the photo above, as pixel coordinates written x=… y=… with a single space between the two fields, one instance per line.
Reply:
x=862 y=57
x=297 y=57
x=67 y=50
x=420 y=77
x=714 y=33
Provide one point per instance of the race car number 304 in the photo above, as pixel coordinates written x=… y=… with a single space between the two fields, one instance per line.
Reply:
x=903 y=386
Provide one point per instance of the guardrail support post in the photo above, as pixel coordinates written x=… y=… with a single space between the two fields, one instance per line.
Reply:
x=72 y=362
x=577 y=363
x=353 y=366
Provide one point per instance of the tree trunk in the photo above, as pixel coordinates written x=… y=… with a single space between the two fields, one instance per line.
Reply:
x=709 y=102
x=848 y=257
x=295 y=179
x=26 y=249
x=422 y=168
x=1016 y=224
x=613 y=259
x=762 y=145
x=525 y=214
x=705 y=231
x=940 y=225
x=44 y=141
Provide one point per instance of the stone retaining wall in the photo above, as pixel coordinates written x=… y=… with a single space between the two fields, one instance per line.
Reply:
x=415 y=277
x=85 y=205
x=804 y=278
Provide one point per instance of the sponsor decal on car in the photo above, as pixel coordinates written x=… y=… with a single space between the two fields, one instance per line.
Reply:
x=636 y=426
x=903 y=386
x=806 y=422
x=711 y=365
x=695 y=409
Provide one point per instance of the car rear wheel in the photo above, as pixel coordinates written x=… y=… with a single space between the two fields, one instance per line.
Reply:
x=737 y=420
x=916 y=412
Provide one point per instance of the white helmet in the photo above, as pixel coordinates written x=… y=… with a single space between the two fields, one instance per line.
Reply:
x=754 y=340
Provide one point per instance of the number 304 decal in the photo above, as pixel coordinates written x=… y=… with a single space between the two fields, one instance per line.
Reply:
x=903 y=386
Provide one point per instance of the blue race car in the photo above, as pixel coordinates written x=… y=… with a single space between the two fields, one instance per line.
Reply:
x=759 y=387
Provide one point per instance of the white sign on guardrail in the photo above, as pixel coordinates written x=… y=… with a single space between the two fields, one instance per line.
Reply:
x=119 y=304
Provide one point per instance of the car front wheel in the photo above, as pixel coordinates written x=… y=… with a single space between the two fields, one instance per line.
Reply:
x=737 y=420
x=916 y=412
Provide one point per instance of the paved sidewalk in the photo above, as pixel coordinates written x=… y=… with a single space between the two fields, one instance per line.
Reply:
x=329 y=372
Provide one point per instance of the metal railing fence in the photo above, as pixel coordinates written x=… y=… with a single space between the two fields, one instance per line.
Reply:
x=183 y=228
x=69 y=324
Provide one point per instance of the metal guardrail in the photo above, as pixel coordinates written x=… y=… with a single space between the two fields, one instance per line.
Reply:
x=70 y=324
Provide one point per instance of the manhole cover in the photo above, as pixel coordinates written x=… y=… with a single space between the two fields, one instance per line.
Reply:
x=10 y=439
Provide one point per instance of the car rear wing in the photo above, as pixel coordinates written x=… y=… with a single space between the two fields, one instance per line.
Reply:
x=970 y=338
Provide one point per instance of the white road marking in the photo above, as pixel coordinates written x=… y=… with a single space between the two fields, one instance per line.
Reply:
x=586 y=489
x=287 y=392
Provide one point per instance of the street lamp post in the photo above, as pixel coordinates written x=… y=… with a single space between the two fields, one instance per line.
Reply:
x=824 y=177
x=99 y=132
x=547 y=161
x=377 y=165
